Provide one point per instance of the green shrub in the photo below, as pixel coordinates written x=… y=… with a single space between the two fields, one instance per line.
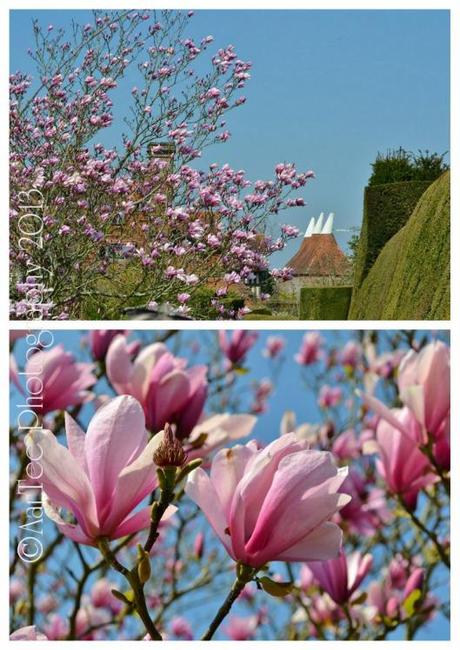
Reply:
x=411 y=277
x=399 y=165
x=324 y=303
x=200 y=303
x=386 y=209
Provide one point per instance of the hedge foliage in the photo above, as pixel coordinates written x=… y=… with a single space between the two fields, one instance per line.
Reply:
x=324 y=303
x=386 y=209
x=411 y=277
x=401 y=165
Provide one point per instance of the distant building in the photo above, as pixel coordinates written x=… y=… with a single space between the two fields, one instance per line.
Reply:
x=319 y=261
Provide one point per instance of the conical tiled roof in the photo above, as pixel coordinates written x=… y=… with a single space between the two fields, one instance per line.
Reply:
x=319 y=255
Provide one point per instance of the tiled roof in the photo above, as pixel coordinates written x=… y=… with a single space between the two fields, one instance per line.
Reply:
x=319 y=255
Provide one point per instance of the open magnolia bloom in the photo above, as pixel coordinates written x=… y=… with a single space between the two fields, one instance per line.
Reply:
x=103 y=475
x=166 y=388
x=273 y=503
x=217 y=430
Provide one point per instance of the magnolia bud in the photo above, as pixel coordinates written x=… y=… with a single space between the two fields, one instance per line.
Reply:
x=169 y=452
x=198 y=546
x=143 y=568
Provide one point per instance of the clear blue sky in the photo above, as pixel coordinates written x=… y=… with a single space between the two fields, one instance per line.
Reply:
x=329 y=89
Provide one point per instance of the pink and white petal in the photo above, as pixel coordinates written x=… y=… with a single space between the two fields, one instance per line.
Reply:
x=381 y=410
x=323 y=543
x=119 y=365
x=140 y=520
x=143 y=366
x=116 y=435
x=227 y=470
x=173 y=392
x=63 y=479
x=72 y=531
x=75 y=440
x=200 y=489
x=134 y=483
x=293 y=524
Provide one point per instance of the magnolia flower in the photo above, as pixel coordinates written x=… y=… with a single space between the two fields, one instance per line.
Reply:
x=329 y=396
x=350 y=354
x=241 y=628
x=274 y=346
x=101 y=477
x=181 y=628
x=424 y=386
x=168 y=391
x=102 y=596
x=57 y=380
x=272 y=504
x=310 y=350
x=28 y=633
x=217 y=430
x=340 y=577
x=99 y=341
x=239 y=344
x=404 y=467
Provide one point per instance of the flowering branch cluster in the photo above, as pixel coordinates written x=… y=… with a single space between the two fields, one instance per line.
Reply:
x=134 y=222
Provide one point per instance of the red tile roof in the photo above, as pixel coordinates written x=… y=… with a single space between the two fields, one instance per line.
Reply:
x=319 y=255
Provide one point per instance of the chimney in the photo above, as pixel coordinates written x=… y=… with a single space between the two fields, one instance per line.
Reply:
x=319 y=225
x=327 y=230
x=311 y=227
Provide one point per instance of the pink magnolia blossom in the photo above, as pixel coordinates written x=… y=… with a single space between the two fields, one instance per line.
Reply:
x=28 y=633
x=404 y=467
x=216 y=431
x=340 y=577
x=346 y=445
x=274 y=346
x=168 y=391
x=181 y=628
x=241 y=628
x=198 y=545
x=102 y=476
x=102 y=596
x=310 y=350
x=56 y=627
x=238 y=345
x=367 y=510
x=424 y=386
x=415 y=581
x=351 y=354
x=57 y=379
x=99 y=341
x=329 y=396
x=273 y=503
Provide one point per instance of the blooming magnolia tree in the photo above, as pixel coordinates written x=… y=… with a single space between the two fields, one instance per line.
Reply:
x=146 y=485
x=109 y=208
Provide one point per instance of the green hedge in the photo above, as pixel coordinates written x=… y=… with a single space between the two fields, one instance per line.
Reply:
x=386 y=210
x=411 y=278
x=324 y=303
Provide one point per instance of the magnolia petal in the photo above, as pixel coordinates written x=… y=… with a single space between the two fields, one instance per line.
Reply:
x=321 y=544
x=116 y=435
x=200 y=489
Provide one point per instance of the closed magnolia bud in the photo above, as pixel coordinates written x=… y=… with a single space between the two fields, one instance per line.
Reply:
x=415 y=581
x=144 y=570
x=198 y=546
